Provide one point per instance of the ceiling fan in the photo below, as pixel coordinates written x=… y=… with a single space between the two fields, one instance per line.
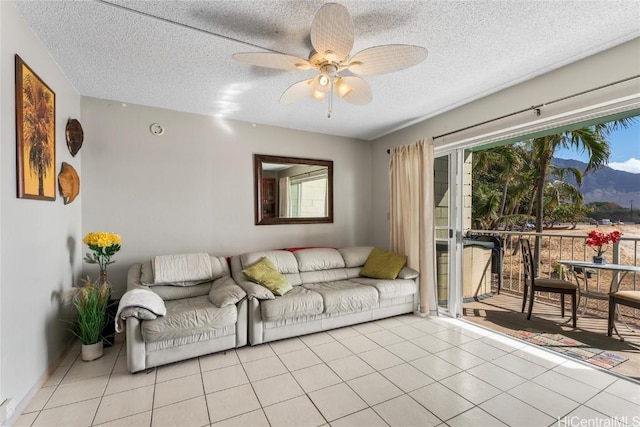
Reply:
x=332 y=38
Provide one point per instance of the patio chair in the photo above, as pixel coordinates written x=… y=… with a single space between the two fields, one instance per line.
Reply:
x=628 y=298
x=533 y=284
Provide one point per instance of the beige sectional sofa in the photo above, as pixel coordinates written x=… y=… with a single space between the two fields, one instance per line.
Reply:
x=328 y=292
x=205 y=313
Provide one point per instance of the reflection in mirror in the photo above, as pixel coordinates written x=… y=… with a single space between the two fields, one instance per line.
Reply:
x=292 y=190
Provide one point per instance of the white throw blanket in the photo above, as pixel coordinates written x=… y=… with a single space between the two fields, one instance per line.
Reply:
x=140 y=303
x=182 y=268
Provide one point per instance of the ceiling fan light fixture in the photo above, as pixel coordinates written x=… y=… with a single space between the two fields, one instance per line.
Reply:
x=322 y=82
x=318 y=96
x=341 y=88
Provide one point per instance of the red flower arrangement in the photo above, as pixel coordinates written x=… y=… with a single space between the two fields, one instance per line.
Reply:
x=597 y=240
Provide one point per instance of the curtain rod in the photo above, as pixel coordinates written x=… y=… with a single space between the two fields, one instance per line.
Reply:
x=308 y=173
x=534 y=108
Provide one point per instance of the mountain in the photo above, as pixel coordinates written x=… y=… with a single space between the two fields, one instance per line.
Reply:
x=605 y=185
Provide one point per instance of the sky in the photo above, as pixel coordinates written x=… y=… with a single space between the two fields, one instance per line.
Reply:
x=625 y=150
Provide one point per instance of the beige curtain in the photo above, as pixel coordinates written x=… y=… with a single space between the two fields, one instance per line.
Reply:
x=283 y=197
x=412 y=227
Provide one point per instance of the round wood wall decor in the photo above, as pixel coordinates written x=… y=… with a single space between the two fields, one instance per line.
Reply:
x=69 y=183
x=75 y=136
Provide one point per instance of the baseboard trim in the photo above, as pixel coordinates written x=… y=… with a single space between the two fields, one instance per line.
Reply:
x=20 y=407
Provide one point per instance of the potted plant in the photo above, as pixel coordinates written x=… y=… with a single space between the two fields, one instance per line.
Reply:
x=104 y=245
x=599 y=241
x=90 y=302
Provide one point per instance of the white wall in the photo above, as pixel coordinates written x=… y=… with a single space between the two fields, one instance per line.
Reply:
x=40 y=241
x=609 y=66
x=1 y=110
x=192 y=189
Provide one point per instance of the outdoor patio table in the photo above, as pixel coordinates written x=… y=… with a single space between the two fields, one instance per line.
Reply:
x=620 y=270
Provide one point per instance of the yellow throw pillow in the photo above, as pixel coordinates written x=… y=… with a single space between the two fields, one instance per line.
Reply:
x=383 y=265
x=266 y=274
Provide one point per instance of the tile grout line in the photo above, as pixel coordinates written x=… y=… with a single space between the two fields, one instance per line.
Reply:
x=105 y=389
x=252 y=389
x=299 y=385
x=204 y=391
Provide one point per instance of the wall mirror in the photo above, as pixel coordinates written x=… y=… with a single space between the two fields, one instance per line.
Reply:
x=291 y=190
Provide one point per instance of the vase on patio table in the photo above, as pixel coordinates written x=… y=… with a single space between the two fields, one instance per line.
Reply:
x=103 y=276
x=599 y=260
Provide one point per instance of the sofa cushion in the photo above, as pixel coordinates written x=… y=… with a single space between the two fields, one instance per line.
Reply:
x=345 y=296
x=296 y=303
x=189 y=316
x=182 y=269
x=355 y=256
x=284 y=261
x=390 y=288
x=219 y=268
x=318 y=259
x=321 y=276
x=383 y=265
x=265 y=273
x=170 y=292
x=408 y=273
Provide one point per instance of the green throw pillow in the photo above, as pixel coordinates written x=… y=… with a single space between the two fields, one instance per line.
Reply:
x=383 y=265
x=265 y=273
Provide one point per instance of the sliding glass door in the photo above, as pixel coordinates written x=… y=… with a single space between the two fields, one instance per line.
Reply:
x=447 y=251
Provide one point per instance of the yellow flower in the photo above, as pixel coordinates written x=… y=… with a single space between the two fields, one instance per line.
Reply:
x=102 y=239
x=103 y=246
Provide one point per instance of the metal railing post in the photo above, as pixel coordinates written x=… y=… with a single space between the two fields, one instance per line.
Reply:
x=616 y=253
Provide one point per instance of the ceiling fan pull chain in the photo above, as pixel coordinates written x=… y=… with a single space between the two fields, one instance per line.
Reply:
x=330 y=99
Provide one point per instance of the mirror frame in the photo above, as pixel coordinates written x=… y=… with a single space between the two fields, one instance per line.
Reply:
x=259 y=159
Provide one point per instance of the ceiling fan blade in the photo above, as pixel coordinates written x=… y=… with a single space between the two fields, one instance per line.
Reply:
x=353 y=90
x=332 y=31
x=298 y=91
x=273 y=60
x=386 y=59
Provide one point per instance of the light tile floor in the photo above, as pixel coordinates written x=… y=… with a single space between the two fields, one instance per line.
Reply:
x=403 y=371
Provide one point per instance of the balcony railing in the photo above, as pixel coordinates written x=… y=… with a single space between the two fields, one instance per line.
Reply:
x=556 y=246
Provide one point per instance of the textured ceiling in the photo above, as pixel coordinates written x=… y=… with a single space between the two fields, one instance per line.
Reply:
x=162 y=53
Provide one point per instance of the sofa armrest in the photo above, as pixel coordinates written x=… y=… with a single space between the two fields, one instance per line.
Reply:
x=408 y=273
x=136 y=359
x=224 y=291
x=255 y=290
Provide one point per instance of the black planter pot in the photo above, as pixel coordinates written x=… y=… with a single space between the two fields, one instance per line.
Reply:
x=109 y=330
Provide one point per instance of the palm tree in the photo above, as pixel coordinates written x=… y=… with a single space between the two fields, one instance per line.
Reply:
x=559 y=190
x=38 y=119
x=502 y=162
x=485 y=206
x=591 y=139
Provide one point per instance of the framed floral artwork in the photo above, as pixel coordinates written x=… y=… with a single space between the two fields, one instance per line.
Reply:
x=35 y=135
